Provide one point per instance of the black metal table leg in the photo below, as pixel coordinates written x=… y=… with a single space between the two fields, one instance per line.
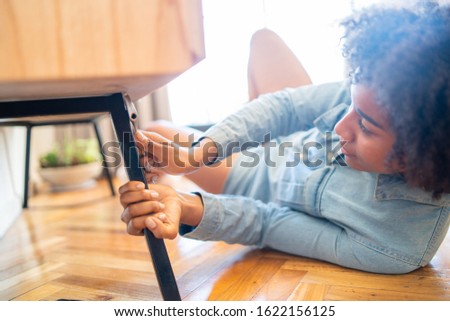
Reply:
x=158 y=252
x=104 y=162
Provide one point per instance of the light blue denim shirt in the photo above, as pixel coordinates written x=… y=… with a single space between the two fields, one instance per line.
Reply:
x=294 y=193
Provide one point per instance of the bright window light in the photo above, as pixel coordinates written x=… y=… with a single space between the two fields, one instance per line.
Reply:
x=217 y=86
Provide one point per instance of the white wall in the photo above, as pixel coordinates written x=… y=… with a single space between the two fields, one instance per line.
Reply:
x=11 y=175
x=12 y=168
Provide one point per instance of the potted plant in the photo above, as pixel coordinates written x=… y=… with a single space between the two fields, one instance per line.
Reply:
x=75 y=164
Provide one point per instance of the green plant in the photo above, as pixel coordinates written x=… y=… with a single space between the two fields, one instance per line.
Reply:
x=73 y=152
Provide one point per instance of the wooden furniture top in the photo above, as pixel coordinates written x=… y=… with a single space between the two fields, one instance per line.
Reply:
x=63 y=48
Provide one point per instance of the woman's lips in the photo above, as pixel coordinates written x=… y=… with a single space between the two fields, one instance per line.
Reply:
x=345 y=151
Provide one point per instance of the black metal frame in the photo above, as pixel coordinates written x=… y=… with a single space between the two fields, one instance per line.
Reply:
x=114 y=105
x=29 y=126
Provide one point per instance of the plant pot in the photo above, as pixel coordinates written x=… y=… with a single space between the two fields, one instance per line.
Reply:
x=71 y=177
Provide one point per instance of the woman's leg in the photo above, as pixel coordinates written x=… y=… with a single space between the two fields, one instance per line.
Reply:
x=272 y=66
x=211 y=179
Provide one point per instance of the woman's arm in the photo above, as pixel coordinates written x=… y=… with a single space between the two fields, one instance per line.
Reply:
x=237 y=219
x=260 y=120
x=274 y=115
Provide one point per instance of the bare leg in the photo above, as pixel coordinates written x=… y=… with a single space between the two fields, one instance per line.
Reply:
x=272 y=66
x=211 y=179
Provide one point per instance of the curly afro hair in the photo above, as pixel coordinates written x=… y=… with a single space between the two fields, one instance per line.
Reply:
x=403 y=55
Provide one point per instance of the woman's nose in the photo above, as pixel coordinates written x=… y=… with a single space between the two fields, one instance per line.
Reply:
x=344 y=128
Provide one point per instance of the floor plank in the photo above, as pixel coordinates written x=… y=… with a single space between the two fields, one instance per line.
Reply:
x=309 y=292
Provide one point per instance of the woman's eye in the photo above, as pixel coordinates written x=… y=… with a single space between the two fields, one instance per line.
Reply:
x=363 y=128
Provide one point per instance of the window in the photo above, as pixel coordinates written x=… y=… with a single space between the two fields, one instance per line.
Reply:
x=217 y=86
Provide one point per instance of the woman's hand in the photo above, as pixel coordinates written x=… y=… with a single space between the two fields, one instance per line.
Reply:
x=158 y=154
x=158 y=209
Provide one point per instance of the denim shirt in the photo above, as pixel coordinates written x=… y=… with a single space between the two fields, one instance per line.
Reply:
x=306 y=201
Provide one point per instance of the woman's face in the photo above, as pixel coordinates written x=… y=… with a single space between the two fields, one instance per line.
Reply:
x=366 y=137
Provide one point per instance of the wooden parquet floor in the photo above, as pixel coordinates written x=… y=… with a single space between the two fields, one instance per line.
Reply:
x=61 y=250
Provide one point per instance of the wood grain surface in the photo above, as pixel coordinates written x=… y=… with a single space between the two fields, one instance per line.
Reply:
x=70 y=48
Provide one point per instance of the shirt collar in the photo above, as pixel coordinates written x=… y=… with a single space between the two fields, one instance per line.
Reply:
x=394 y=187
